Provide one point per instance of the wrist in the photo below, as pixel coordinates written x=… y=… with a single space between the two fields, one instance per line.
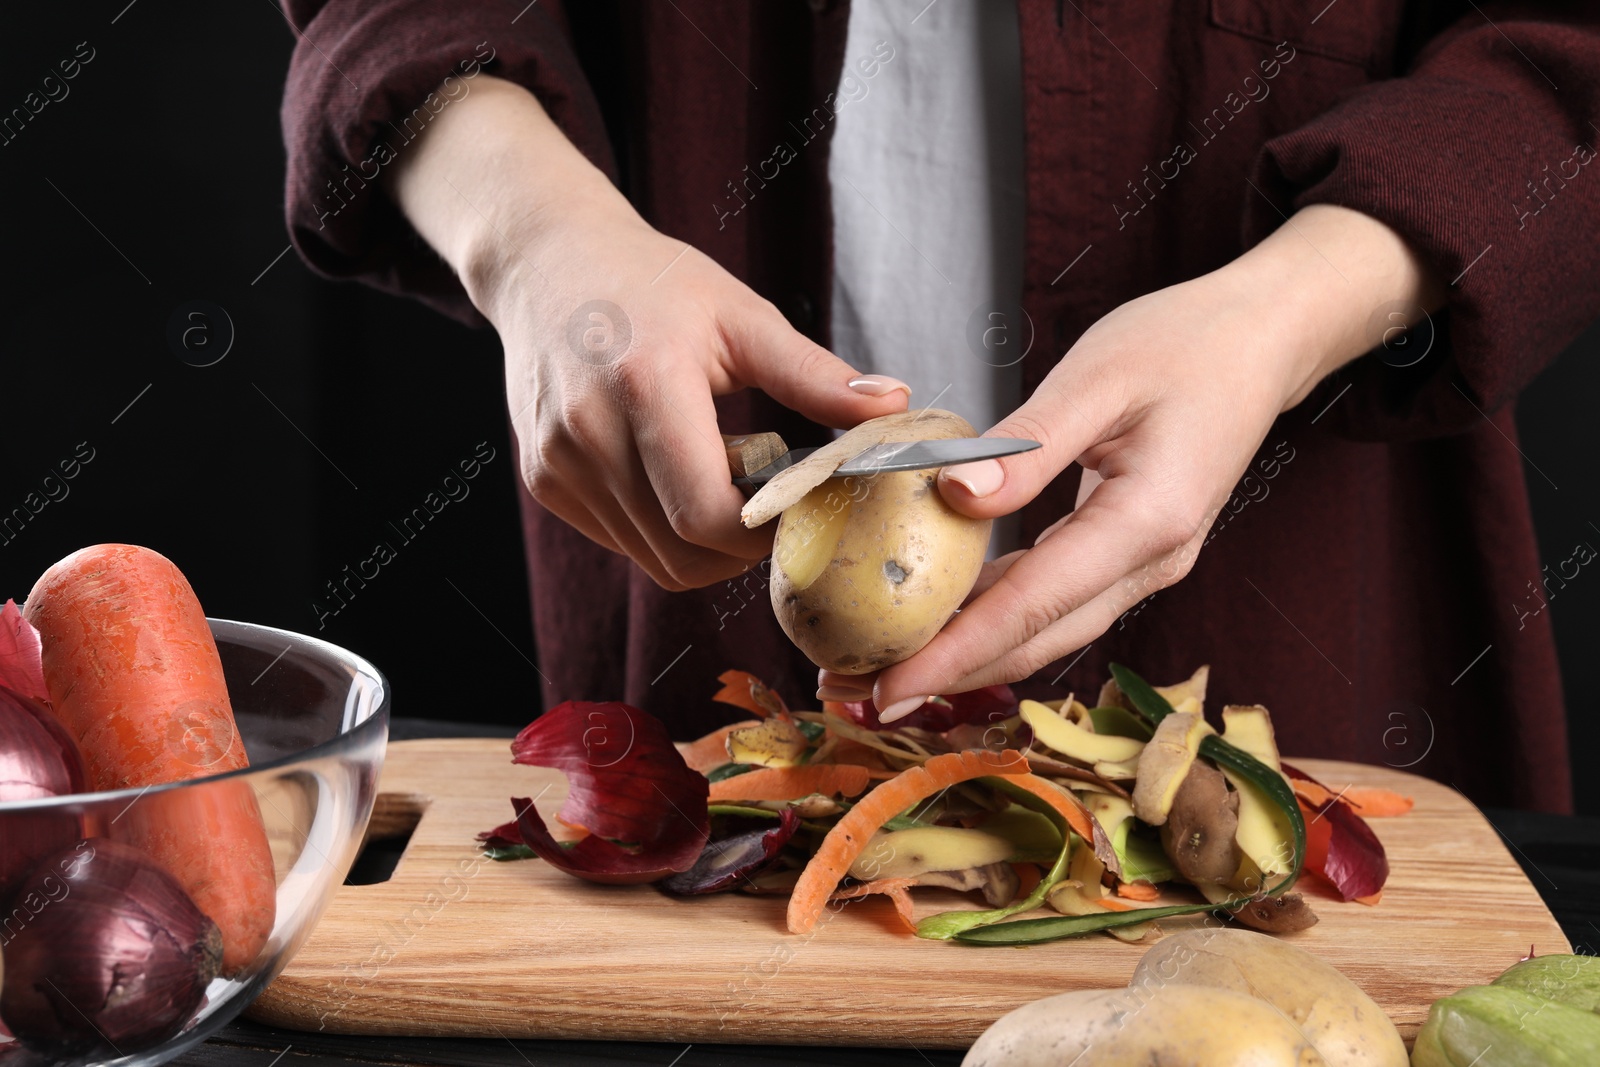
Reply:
x=1330 y=282
x=491 y=183
x=524 y=239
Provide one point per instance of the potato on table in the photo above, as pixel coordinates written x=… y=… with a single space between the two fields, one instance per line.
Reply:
x=1170 y=1026
x=1347 y=1026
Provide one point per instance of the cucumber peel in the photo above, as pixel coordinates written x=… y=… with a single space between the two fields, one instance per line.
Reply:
x=950 y=924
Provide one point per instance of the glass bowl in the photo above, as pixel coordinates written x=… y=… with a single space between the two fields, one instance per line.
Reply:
x=314 y=720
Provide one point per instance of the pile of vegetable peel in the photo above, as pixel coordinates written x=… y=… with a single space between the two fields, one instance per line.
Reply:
x=1105 y=818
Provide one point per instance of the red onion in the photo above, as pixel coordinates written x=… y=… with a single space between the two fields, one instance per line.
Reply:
x=727 y=861
x=38 y=759
x=103 y=948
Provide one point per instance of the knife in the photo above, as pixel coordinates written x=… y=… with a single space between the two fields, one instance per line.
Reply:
x=755 y=458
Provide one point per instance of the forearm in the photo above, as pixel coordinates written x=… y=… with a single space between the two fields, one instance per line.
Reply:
x=490 y=180
x=1330 y=282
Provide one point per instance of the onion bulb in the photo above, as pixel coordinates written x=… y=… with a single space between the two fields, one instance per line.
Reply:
x=103 y=948
x=38 y=760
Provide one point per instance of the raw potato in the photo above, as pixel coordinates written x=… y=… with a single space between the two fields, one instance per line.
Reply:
x=1264 y=833
x=1198 y=835
x=914 y=852
x=1055 y=732
x=867 y=570
x=1345 y=1025
x=1249 y=727
x=1170 y=1026
x=1164 y=762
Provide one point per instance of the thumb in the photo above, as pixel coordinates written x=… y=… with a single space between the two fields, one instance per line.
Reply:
x=768 y=353
x=990 y=488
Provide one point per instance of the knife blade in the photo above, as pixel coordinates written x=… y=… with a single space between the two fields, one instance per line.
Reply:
x=921 y=455
x=766 y=453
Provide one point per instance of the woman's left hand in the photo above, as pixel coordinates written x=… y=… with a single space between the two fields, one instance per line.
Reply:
x=1164 y=402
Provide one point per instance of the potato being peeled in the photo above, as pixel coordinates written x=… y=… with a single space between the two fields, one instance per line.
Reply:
x=865 y=571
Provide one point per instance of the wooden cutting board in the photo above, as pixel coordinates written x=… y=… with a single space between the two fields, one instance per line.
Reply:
x=454 y=944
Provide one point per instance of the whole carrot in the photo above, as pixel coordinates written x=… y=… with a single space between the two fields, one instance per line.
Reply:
x=133 y=674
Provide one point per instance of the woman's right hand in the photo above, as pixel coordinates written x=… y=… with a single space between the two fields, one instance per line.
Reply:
x=616 y=338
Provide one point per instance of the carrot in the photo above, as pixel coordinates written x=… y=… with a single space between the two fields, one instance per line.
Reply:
x=744 y=690
x=850 y=834
x=1027 y=878
x=897 y=890
x=711 y=751
x=1113 y=904
x=792 y=783
x=1367 y=802
x=1378 y=803
x=134 y=676
x=1143 y=891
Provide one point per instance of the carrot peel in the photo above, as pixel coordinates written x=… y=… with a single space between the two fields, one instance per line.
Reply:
x=898 y=890
x=792 y=783
x=845 y=841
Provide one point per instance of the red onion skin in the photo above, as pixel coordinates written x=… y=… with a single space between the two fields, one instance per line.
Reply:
x=102 y=947
x=38 y=760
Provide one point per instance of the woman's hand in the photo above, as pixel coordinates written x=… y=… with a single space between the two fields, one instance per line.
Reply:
x=1164 y=402
x=616 y=338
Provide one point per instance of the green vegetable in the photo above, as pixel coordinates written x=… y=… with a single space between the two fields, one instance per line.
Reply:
x=1570 y=980
x=1506 y=1027
x=740 y=809
x=949 y=924
x=1141 y=855
x=1034 y=836
x=510 y=852
x=1119 y=722
x=1033 y=931
x=729 y=770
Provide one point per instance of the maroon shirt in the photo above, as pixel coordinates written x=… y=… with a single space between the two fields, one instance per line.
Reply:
x=1371 y=580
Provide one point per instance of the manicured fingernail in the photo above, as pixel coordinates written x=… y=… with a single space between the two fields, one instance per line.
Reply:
x=878 y=385
x=980 y=479
x=844 y=694
x=901 y=708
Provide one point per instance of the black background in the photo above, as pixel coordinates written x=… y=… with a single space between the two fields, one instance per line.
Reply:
x=158 y=181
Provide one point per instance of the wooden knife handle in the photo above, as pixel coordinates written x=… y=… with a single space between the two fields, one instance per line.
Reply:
x=748 y=453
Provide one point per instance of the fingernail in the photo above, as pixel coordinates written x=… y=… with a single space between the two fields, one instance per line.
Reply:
x=901 y=708
x=878 y=385
x=980 y=479
x=843 y=694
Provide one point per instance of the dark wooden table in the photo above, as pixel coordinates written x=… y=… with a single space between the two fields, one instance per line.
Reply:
x=1561 y=855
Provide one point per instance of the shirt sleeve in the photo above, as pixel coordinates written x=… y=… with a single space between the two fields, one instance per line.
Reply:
x=1483 y=158
x=364 y=81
